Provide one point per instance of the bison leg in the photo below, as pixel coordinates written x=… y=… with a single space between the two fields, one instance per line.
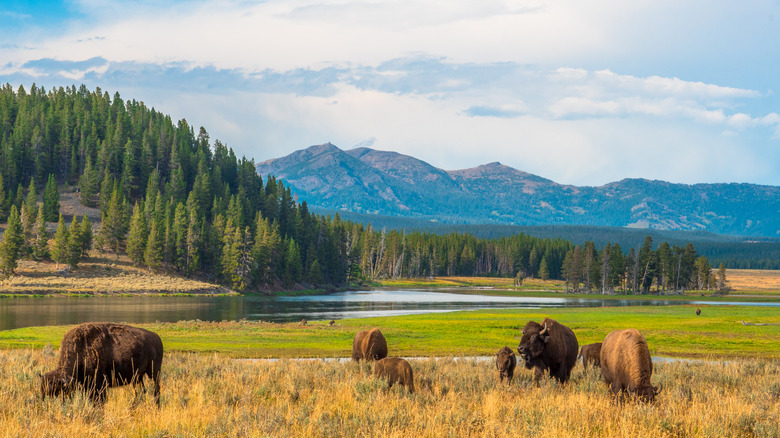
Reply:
x=538 y=374
x=509 y=377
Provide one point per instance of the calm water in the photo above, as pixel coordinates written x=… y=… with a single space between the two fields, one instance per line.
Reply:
x=25 y=312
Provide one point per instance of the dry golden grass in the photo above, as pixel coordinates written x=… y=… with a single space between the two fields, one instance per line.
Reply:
x=753 y=279
x=101 y=274
x=209 y=395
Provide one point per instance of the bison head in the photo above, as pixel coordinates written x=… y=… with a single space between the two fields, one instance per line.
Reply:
x=532 y=344
x=53 y=384
x=648 y=393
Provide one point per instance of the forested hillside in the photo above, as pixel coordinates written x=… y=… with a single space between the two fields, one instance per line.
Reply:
x=172 y=200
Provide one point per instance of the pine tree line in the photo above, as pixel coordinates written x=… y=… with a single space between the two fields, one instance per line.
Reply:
x=668 y=269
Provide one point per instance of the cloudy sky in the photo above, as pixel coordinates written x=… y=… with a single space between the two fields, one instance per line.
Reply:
x=581 y=92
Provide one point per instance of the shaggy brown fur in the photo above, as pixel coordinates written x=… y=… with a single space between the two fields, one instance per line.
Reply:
x=395 y=370
x=505 y=364
x=97 y=356
x=626 y=364
x=591 y=353
x=369 y=345
x=549 y=346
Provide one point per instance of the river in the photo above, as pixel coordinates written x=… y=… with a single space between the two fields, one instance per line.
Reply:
x=39 y=311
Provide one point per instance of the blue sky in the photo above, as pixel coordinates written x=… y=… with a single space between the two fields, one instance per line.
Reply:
x=579 y=92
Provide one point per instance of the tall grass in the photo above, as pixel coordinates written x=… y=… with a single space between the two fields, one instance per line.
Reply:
x=211 y=395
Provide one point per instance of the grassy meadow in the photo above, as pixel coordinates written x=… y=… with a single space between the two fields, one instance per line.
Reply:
x=212 y=395
x=670 y=331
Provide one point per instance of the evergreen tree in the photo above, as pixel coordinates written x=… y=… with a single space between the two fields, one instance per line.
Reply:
x=544 y=273
x=180 y=227
x=88 y=184
x=136 y=238
x=722 y=284
x=3 y=198
x=31 y=204
x=86 y=236
x=40 y=249
x=59 y=251
x=113 y=227
x=74 y=243
x=51 y=200
x=153 y=253
x=11 y=243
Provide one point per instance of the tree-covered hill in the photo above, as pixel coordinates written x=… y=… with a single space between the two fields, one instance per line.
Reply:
x=174 y=201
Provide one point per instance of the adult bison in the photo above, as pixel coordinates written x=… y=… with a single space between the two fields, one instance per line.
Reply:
x=96 y=356
x=626 y=364
x=591 y=353
x=395 y=370
x=549 y=346
x=505 y=364
x=369 y=345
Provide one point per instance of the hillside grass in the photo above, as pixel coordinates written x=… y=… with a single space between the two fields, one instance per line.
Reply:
x=670 y=331
x=211 y=395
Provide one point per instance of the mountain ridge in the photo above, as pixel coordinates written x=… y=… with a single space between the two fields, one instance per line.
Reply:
x=365 y=180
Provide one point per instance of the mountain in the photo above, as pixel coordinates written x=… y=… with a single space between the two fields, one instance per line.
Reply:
x=364 y=180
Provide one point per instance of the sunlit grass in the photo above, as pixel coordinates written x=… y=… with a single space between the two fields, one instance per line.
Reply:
x=669 y=330
x=211 y=395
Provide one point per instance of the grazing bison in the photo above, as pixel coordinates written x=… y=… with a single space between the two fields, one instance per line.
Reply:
x=395 y=370
x=369 y=345
x=591 y=353
x=505 y=364
x=549 y=346
x=698 y=311
x=332 y=323
x=97 y=356
x=626 y=364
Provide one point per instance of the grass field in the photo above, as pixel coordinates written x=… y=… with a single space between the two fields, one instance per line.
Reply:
x=670 y=331
x=211 y=395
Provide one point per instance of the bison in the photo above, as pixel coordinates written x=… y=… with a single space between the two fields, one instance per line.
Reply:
x=97 y=356
x=698 y=311
x=591 y=353
x=395 y=370
x=549 y=346
x=505 y=364
x=626 y=364
x=369 y=345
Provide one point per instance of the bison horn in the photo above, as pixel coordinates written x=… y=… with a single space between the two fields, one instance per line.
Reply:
x=544 y=331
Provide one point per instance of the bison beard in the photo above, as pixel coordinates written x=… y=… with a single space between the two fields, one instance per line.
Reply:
x=97 y=356
x=626 y=364
x=505 y=364
x=395 y=370
x=369 y=345
x=549 y=346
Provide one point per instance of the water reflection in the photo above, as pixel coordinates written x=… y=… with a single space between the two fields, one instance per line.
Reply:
x=24 y=312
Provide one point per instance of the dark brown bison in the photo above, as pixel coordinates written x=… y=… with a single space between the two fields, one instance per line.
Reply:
x=626 y=364
x=698 y=311
x=97 y=356
x=332 y=323
x=369 y=345
x=549 y=346
x=395 y=370
x=505 y=364
x=591 y=353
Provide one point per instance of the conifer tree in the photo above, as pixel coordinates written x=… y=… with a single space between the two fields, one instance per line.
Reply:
x=544 y=273
x=136 y=238
x=31 y=203
x=86 y=236
x=113 y=227
x=74 y=243
x=3 y=198
x=88 y=184
x=12 y=243
x=194 y=234
x=722 y=283
x=180 y=227
x=106 y=189
x=40 y=248
x=51 y=200
x=59 y=250
x=153 y=253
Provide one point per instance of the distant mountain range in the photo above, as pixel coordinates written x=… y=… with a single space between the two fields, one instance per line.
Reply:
x=369 y=181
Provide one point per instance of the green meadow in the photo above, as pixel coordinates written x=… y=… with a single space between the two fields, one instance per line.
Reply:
x=670 y=331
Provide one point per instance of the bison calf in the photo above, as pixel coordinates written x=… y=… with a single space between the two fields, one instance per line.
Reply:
x=369 y=345
x=591 y=353
x=505 y=364
x=96 y=356
x=395 y=370
x=626 y=364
